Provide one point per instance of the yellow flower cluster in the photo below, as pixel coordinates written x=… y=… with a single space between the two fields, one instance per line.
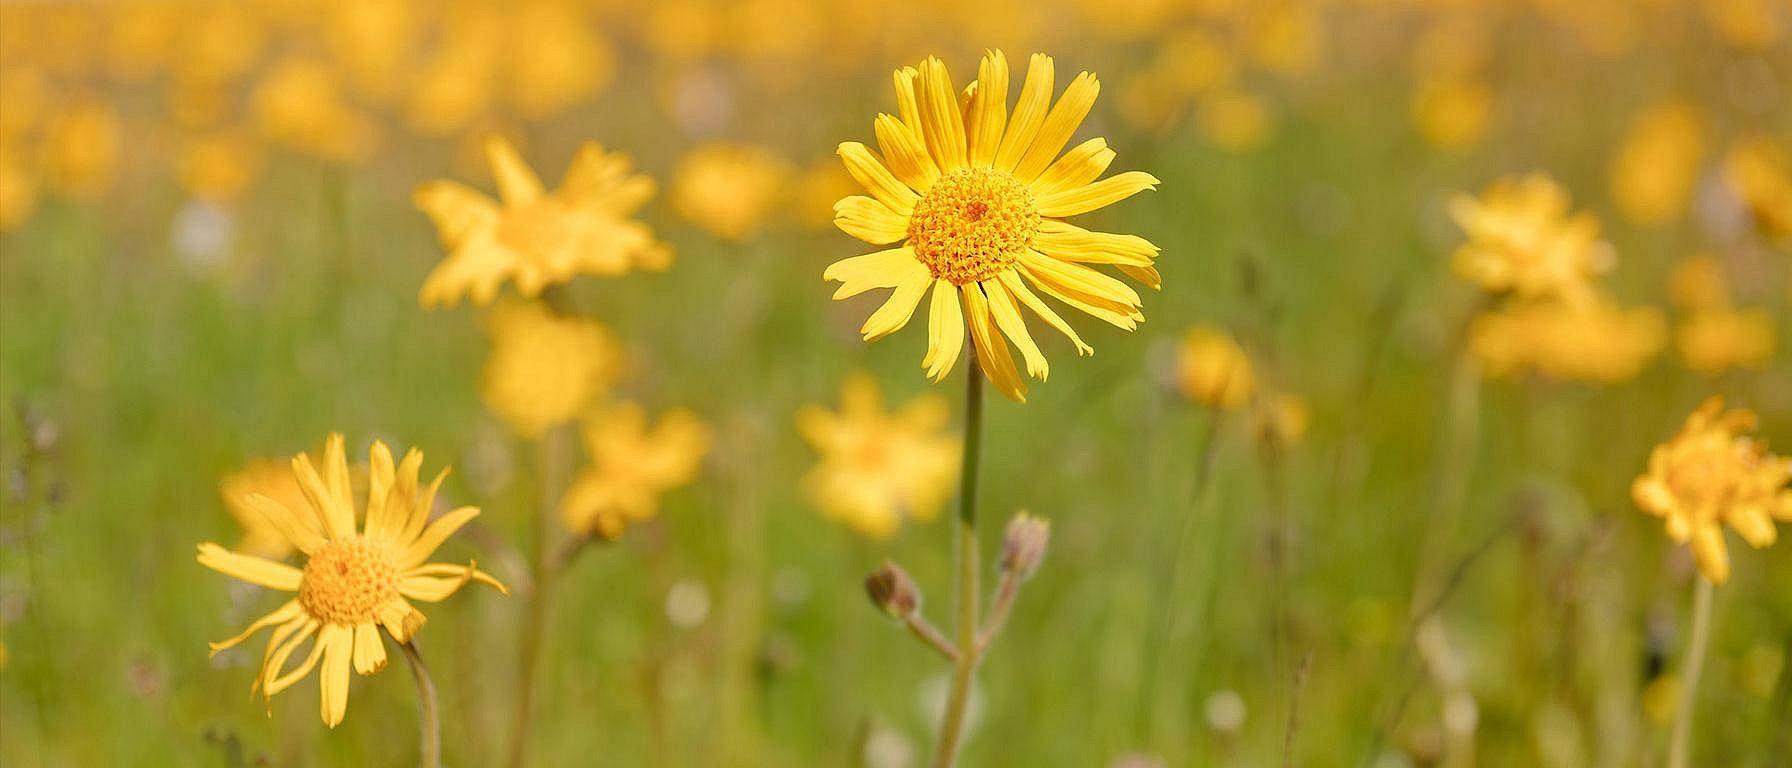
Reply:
x=1712 y=475
x=879 y=467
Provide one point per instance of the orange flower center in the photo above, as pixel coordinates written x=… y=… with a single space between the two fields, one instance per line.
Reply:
x=972 y=224
x=346 y=582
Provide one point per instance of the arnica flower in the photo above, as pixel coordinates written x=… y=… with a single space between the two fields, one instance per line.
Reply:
x=1452 y=111
x=878 y=467
x=354 y=582
x=82 y=144
x=545 y=368
x=1213 y=370
x=1758 y=169
x=1522 y=240
x=533 y=238
x=729 y=190
x=1657 y=163
x=1715 y=340
x=301 y=105
x=1710 y=475
x=270 y=478
x=979 y=196
x=1595 y=342
x=219 y=166
x=630 y=467
x=1698 y=282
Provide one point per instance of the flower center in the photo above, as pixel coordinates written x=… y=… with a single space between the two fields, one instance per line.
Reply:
x=534 y=228
x=346 y=582
x=972 y=224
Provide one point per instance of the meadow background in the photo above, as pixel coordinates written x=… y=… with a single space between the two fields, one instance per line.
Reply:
x=165 y=320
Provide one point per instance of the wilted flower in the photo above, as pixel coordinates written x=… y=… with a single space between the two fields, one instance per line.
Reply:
x=1710 y=475
x=1523 y=240
x=1211 y=369
x=630 y=466
x=354 y=582
x=729 y=189
x=978 y=195
x=893 y=591
x=878 y=467
x=545 y=368
x=534 y=238
x=1023 y=545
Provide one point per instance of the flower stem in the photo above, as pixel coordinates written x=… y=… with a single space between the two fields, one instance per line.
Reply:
x=952 y=726
x=429 y=750
x=1679 y=744
x=546 y=566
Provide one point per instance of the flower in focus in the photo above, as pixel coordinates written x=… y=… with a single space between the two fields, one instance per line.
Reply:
x=1711 y=475
x=1523 y=240
x=545 y=368
x=977 y=196
x=1657 y=163
x=534 y=238
x=1595 y=342
x=878 y=467
x=630 y=467
x=353 y=582
x=270 y=478
x=1715 y=340
x=1213 y=370
x=1759 y=171
x=729 y=189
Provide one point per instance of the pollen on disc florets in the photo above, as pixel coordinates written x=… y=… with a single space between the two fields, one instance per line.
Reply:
x=972 y=223
x=346 y=582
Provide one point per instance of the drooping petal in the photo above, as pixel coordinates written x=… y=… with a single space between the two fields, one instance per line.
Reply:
x=432 y=537
x=1084 y=163
x=896 y=310
x=992 y=352
x=468 y=572
x=1052 y=277
x=989 y=113
x=858 y=274
x=1007 y=318
x=285 y=613
x=1011 y=280
x=945 y=331
x=869 y=220
x=338 y=642
x=870 y=172
x=905 y=154
x=274 y=680
x=338 y=522
x=1029 y=112
x=298 y=526
x=517 y=185
x=1060 y=124
x=370 y=652
x=249 y=568
x=433 y=588
x=1100 y=194
x=942 y=128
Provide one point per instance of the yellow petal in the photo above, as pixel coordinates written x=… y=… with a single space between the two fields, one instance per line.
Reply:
x=907 y=104
x=896 y=311
x=1045 y=274
x=336 y=476
x=992 y=351
x=990 y=111
x=941 y=126
x=1708 y=552
x=400 y=619
x=870 y=172
x=883 y=269
x=945 y=331
x=432 y=537
x=1059 y=126
x=906 y=155
x=457 y=210
x=1029 y=112
x=249 y=568
x=338 y=643
x=469 y=572
x=1084 y=163
x=1072 y=243
x=299 y=527
x=869 y=220
x=370 y=652
x=379 y=484
x=434 y=589
x=517 y=185
x=275 y=681
x=1008 y=319
x=1011 y=280
x=1100 y=194
x=285 y=613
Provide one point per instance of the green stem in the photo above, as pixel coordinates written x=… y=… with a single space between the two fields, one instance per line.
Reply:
x=952 y=726
x=429 y=750
x=1679 y=745
x=545 y=569
x=1158 y=631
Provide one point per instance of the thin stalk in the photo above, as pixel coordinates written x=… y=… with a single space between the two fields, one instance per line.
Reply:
x=546 y=567
x=952 y=726
x=1158 y=631
x=429 y=726
x=1679 y=745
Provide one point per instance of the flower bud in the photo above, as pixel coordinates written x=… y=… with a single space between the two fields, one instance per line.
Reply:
x=1023 y=546
x=892 y=591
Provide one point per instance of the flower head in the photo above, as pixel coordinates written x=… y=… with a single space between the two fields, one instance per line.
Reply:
x=1656 y=166
x=1211 y=369
x=535 y=238
x=1711 y=475
x=978 y=196
x=1596 y=342
x=1758 y=169
x=878 y=467
x=631 y=466
x=1523 y=240
x=729 y=189
x=356 y=580
x=1712 y=341
x=545 y=368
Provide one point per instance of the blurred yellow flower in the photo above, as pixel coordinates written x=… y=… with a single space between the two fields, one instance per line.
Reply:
x=1758 y=169
x=1233 y=119
x=81 y=146
x=816 y=190
x=1282 y=419
x=1715 y=340
x=1657 y=163
x=556 y=58
x=299 y=104
x=1451 y=112
x=630 y=466
x=1522 y=240
x=545 y=368
x=1698 y=282
x=1595 y=341
x=728 y=189
x=1213 y=370
x=270 y=478
x=219 y=166
x=979 y=196
x=1749 y=24
x=18 y=189
x=534 y=238
x=353 y=582
x=1710 y=475
x=878 y=467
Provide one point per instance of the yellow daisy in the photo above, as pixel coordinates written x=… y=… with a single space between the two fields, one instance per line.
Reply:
x=630 y=466
x=730 y=190
x=879 y=466
x=537 y=239
x=545 y=368
x=1213 y=370
x=353 y=582
x=1713 y=474
x=1524 y=239
x=977 y=196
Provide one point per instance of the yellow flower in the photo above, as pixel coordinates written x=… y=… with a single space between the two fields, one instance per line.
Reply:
x=816 y=190
x=1711 y=475
x=878 y=467
x=729 y=189
x=81 y=146
x=1714 y=340
x=1282 y=419
x=353 y=582
x=219 y=166
x=18 y=189
x=630 y=467
x=1759 y=171
x=273 y=479
x=1522 y=240
x=979 y=196
x=1233 y=119
x=1452 y=111
x=1595 y=341
x=534 y=238
x=545 y=368
x=1212 y=370
x=1698 y=282
x=301 y=105
x=1657 y=163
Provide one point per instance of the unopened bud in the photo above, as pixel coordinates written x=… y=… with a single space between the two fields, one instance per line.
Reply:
x=892 y=591
x=1023 y=546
